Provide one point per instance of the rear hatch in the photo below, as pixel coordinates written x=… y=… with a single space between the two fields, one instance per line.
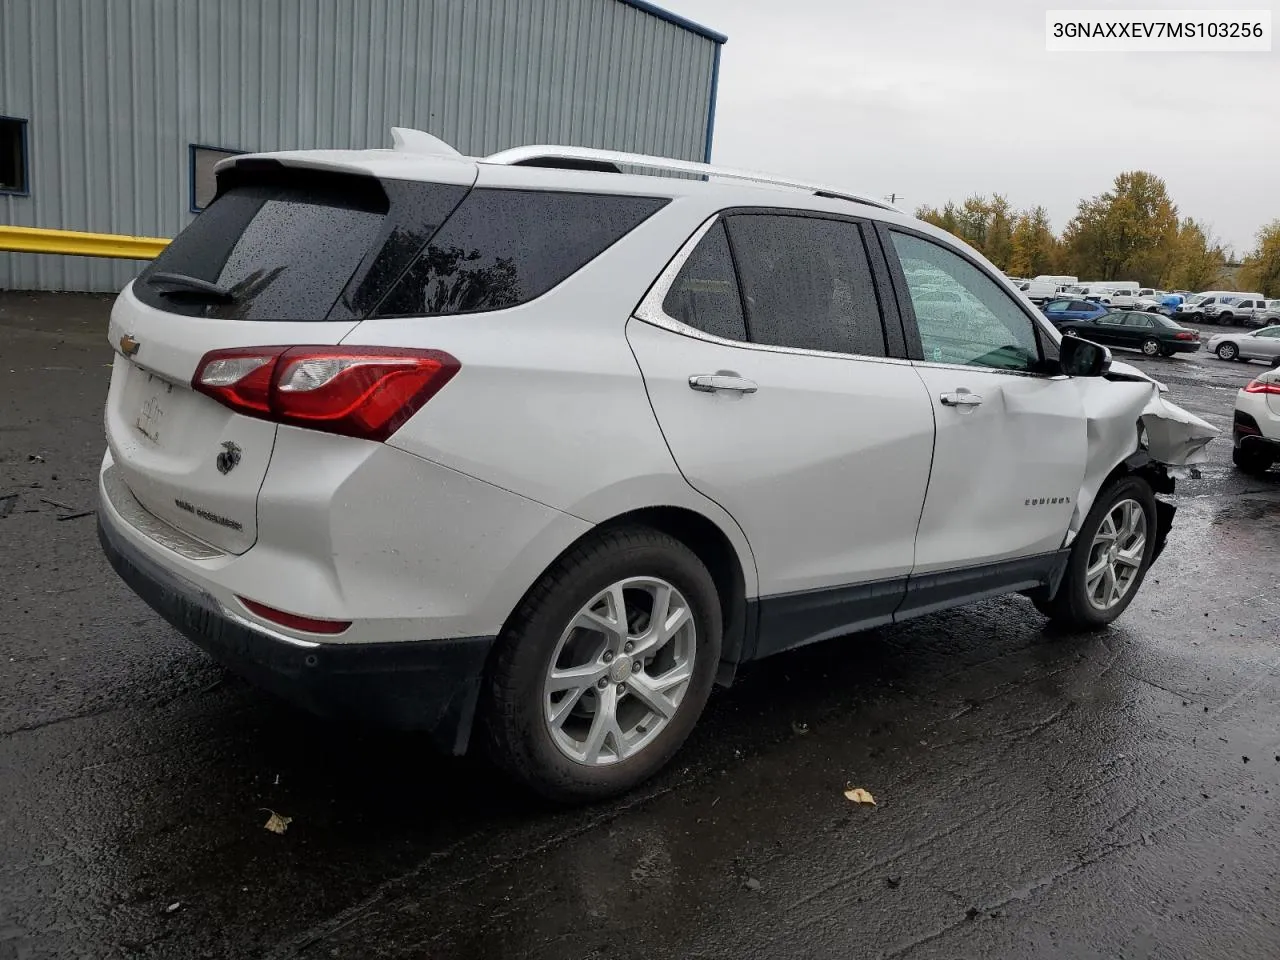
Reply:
x=284 y=255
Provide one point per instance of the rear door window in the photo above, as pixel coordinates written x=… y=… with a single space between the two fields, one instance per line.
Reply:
x=807 y=283
x=502 y=248
x=705 y=294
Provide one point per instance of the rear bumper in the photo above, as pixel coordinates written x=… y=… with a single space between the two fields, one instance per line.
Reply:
x=427 y=685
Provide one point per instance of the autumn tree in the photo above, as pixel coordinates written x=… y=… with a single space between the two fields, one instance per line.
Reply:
x=1260 y=270
x=1197 y=259
x=1033 y=247
x=986 y=225
x=1128 y=232
x=998 y=245
x=944 y=219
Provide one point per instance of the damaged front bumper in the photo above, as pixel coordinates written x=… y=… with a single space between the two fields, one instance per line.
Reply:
x=1175 y=436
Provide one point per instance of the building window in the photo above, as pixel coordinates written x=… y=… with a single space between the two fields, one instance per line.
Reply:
x=13 y=156
x=203 y=183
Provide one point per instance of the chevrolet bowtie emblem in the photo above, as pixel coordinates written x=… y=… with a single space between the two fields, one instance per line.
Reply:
x=128 y=345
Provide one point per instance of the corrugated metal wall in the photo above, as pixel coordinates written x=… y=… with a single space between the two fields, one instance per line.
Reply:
x=117 y=90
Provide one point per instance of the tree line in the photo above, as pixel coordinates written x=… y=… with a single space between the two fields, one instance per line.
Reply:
x=1131 y=232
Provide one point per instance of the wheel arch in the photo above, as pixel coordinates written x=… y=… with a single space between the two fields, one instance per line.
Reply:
x=734 y=575
x=1140 y=464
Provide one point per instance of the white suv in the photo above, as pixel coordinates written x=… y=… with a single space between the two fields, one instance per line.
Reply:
x=529 y=452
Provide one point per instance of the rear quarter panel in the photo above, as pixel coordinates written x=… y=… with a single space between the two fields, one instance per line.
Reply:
x=549 y=402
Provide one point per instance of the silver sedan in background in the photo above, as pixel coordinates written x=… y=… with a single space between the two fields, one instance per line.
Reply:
x=1261 y=344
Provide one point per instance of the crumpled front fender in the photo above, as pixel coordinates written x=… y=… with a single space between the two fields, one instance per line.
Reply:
x=1114 y=412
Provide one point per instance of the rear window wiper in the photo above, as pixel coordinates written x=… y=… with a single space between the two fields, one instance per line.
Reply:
x=179 y=284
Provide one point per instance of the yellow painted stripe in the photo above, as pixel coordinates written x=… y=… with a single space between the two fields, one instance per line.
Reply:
x=74 y=243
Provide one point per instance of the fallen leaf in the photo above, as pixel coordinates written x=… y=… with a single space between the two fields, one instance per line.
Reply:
x=276 y=823
x=858 y=795
x=173 y=907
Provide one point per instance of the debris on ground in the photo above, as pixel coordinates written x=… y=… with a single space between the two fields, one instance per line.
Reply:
x=799 y=727
x=858 y=795
x=893 y=882
x=276 y=823
x=34 y=458
x=7 y=503
x=972 y=913
x=173 y=907
x=752 y=884
x=77 y=516
x=56 y=503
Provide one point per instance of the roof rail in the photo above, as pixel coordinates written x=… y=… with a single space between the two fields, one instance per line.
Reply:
x=525 y=156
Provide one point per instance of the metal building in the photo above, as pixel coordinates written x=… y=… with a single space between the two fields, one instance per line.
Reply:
x=113 y=112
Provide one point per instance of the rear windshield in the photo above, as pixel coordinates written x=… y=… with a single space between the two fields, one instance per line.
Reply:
x=306 y=246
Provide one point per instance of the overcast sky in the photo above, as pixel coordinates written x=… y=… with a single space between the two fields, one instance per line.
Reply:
x=940 y=99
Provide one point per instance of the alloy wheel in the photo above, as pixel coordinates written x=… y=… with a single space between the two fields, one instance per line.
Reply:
x=1116 y=555
x=620 y=671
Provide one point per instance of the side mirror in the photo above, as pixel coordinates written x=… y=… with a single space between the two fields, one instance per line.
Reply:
x=1081 y=358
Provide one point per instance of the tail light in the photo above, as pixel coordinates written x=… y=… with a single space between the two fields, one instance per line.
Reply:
x=366 y=392
x=1186 y=335
x=1262 y=386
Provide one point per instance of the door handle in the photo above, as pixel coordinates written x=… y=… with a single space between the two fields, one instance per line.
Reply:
x=961 y=398
x=710 y=383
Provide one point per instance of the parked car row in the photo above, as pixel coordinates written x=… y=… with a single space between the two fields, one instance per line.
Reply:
x=1228 y=307
x=1156 y=334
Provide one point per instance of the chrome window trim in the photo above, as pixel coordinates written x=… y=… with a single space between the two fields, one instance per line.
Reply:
x=650 y=310
x=971 y=367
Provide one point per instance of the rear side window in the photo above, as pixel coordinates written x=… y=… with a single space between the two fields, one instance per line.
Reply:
x=297 y=245
x=807 y=284
x=705 y=293
x=502 y=248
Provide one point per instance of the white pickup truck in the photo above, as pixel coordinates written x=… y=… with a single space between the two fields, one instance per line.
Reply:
x=1122 y=296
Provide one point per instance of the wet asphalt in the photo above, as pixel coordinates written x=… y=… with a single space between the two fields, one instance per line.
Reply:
x=1116 y=795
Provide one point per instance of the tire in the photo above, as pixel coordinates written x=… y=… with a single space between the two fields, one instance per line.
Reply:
x=1253 y=462
x=1227 y=351
x=1166 y=352
x=1151 y=347
x=1071 y=607
x=522 y=737
x=1224 y=318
